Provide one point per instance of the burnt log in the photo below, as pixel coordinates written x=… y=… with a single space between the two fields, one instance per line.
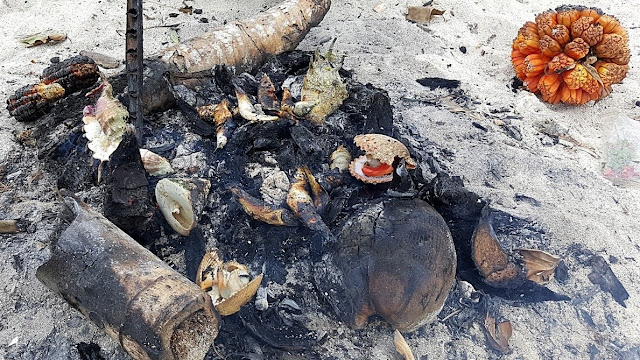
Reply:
x=247 y=44
x=141 y=302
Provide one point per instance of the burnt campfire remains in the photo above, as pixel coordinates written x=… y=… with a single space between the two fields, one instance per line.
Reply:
x=342 y=247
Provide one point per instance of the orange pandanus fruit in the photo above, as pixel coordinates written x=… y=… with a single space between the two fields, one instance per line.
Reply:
x=572 y=54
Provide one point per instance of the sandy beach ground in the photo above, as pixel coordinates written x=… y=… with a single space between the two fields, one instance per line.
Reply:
x=557 y=185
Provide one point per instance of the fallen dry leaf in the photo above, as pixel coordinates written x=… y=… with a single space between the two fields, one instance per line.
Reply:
x=499 y=334
x=401 y=346
x=539 y=265
x=43 y=38
x=422 y=14
x=186 y=9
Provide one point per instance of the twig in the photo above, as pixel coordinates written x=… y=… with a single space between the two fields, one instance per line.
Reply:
x=454 y=313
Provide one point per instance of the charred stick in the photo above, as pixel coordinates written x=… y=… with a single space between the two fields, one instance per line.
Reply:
x=134 y=66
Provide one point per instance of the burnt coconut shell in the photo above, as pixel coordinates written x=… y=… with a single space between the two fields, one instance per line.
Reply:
x=394 y=258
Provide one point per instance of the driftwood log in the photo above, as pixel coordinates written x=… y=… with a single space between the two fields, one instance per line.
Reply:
x=247 y=44
x=149 y=308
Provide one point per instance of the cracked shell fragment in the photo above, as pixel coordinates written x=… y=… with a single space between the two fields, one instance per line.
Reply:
x=181 y=201
x=104 y=123
x=540 y=265
x=565 y=54
x=154 y=164
x=228 y=283
x=324 y=87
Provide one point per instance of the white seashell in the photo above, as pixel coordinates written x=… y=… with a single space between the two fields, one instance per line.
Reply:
x=155 y=164
x=340 y=159
x=104 y=124
x=181 y=201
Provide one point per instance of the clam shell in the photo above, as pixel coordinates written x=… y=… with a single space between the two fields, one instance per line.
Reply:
x=384 y=148
x=355 y=168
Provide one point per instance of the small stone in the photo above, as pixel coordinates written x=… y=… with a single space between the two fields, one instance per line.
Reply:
x=380 y=7
x=173 y=15
x=204 y=20
x=74 y=322
x=463 y=49
x=197 y=11
x=14 y=341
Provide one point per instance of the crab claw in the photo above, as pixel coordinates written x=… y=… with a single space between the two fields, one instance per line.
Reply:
x=246 y=109
x=261 y=211
x=302 y=204
x=320 y=197
x=220 y=115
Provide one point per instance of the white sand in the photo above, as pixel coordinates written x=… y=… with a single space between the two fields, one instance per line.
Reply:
x=576 y=204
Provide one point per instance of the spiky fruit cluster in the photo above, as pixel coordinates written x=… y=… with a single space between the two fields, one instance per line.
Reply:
x=572 y=54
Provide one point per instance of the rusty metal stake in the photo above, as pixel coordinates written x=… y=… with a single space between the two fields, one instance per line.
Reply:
x=134 y=65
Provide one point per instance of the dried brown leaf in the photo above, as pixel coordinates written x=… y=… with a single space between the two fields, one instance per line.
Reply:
x=498 y=334
x=539 y=265
x=422 y=14
x=186 y=9
x=43 y=38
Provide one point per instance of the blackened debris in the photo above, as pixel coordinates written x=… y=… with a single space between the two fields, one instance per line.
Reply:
x=127 y=200
x=562 y=272
x=479 y=126
x=277 y=329
x=516 y=84
x=436 y=82
x=527 y=199
x=379 y=117
x=89 y=351
x=601 y=274
x=463 y=49
x=73 y=74
x=513 y=131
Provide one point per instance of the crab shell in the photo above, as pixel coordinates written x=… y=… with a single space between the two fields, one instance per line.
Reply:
x=228 y=282
x=382 y=148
